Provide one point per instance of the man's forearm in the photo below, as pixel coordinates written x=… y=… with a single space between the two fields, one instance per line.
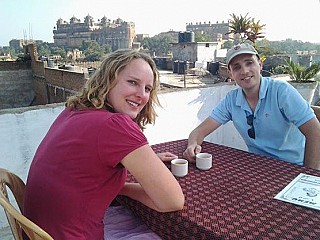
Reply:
x=195 y=138
x=312 y=155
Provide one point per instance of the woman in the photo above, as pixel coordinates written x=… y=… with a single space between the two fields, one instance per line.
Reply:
x=81 y=164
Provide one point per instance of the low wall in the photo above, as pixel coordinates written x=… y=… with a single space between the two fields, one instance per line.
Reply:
x=22 y=130
x=56 y=85
x=14 y=66
x=16 y=88
x=38 y=68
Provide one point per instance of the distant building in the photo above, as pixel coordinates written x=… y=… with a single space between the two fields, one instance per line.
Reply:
x=198 y=53
x=18 y=44
x=117 y=33
x=140 y=37
x=173 y=36
x=217 y=31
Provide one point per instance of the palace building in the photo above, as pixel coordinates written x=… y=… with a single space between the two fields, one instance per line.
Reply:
x=115 y=33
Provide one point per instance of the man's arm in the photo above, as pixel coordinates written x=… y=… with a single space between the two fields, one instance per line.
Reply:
x=311 y=130
x=197 y=136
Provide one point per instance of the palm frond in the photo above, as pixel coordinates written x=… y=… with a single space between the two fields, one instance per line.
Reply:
x=246 y=27
x=300 y=73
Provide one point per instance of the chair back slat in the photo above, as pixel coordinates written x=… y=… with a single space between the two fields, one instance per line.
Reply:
x=17 y=221
x=15 y=184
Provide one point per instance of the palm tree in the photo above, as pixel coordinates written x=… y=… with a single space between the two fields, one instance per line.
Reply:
x=245 y=27
x=255 y=30
x=239 y=26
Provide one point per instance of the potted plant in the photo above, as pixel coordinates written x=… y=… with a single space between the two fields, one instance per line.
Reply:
x=244 y=28
x=302 y=78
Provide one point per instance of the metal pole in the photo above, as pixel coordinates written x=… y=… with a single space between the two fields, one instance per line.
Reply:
x=184 y=74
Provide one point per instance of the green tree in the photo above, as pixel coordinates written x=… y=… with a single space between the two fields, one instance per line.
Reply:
x=290 y=46
x=59 y=52
x=228 y=44
x=92 y=51
x=264 y=47
x=159 y=45
x=13 y=52
x=201 y=37
x=44 y=49
x=107 y=48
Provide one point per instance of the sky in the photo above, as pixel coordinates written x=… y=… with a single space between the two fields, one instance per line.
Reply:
x=35 y=19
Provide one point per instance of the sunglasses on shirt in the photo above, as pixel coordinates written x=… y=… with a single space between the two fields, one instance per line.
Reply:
x=251 y=132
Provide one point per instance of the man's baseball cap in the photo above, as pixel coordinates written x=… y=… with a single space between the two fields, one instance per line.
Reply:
x=240 y=49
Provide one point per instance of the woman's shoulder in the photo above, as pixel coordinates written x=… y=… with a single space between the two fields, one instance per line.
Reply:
x=95 y=115
x=99 y=116
x=89 y=112
x=123 y=120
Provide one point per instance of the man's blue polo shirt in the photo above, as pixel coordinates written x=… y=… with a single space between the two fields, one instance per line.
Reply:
x=278 y=114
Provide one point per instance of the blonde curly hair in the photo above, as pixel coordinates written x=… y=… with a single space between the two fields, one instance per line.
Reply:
x=95 y=92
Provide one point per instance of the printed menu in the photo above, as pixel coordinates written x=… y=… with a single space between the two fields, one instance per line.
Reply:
x=304 y=190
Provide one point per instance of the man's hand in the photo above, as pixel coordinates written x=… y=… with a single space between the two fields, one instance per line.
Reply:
x=191 y=151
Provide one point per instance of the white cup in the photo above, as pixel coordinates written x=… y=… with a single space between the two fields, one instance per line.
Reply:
x=179 y=167
x=204 y=161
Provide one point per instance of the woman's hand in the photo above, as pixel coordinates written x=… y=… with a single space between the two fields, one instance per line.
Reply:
x=166 y=156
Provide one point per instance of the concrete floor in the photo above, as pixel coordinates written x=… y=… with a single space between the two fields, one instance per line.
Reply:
x=5 y=234
x=189 y=80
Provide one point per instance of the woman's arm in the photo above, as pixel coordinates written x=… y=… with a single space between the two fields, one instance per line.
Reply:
x=157 y=188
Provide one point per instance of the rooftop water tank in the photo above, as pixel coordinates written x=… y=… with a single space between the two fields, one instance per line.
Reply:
x=181 y=37
x=185 y=37
x=189 y=36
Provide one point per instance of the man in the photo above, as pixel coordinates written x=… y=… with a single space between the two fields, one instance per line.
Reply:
x=270 y=115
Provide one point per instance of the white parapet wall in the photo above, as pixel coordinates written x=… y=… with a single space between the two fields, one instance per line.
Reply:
x=21 y=130
x=184 y=110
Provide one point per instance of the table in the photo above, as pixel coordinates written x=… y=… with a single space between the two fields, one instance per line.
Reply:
x=232 y=200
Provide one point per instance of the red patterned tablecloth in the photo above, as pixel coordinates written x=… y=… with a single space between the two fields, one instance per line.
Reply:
x=232 y=200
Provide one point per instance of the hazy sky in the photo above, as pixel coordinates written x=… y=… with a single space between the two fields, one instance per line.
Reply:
x=295 y=19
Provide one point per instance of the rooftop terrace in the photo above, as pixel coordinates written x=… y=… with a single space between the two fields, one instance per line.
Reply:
x=22 y=129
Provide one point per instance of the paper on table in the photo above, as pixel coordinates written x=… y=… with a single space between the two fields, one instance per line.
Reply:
x=304 y=190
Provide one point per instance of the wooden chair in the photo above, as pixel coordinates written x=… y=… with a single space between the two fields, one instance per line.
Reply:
x=17 y=221
x=316 y=110
x=15 y=184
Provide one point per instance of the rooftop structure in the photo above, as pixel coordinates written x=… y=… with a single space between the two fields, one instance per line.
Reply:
x=217 y=31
